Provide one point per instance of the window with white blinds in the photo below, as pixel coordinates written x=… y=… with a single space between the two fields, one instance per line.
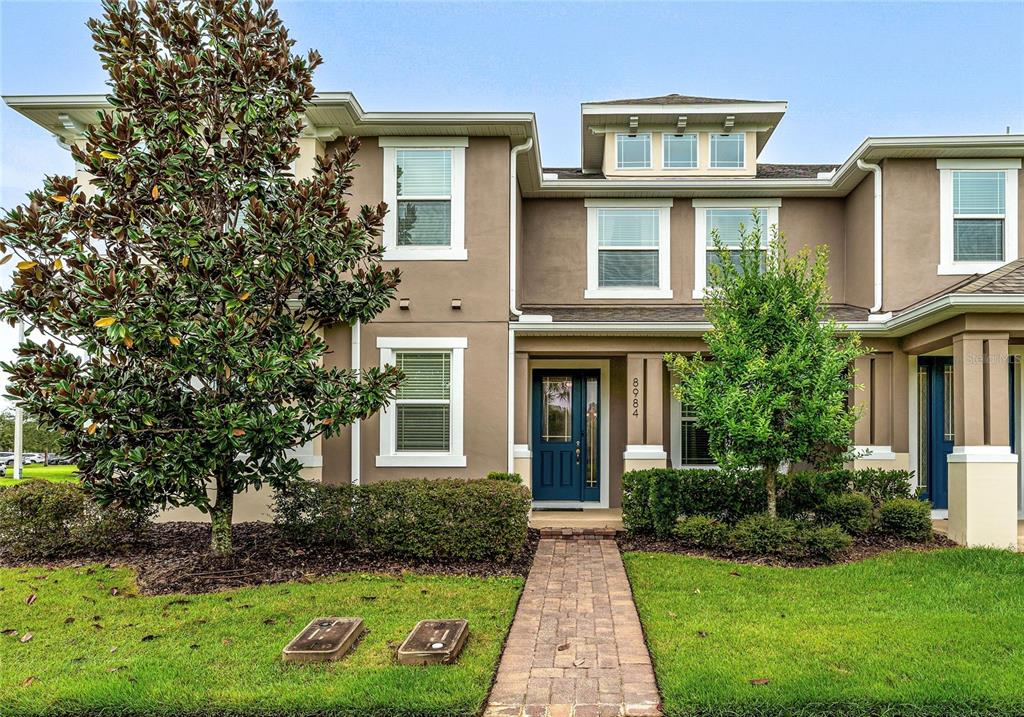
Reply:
x=423 y=404
x=730 y=224
x=424 y=190
x=679 y=151
x=979 y=213
x=628 y=249
x=423 y=424
x=728 y=151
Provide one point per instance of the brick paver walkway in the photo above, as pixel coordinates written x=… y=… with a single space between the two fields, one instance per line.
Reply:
x=576 y=647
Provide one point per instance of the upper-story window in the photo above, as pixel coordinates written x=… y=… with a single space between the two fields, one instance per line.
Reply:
x=628 y=249
x=978 y=226
x=424 y=188
x=728 y=151
x=633 y=151
x=679 y=151
x=729 y=218
x=423 y=425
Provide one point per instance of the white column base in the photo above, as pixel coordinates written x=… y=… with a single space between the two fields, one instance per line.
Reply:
x=642 y=457
x=983 y=496
x=522 y=463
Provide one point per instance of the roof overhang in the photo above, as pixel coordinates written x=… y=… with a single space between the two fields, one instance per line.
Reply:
x=597 y=118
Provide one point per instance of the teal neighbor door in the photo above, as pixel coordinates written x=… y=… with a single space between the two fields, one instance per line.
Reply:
x=565 y=440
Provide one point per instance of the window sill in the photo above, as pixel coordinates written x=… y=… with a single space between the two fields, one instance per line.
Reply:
x=966 y=268
x=627 y=293
x=405 y=253
x=421 y=460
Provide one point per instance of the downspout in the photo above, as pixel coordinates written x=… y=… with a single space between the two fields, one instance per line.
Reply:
x=876 y=307
x=513 y=236
x=355 y=361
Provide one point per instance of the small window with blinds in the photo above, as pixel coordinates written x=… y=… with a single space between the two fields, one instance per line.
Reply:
x=729 y=225
x=424 y=191
x=693 y=440
x=423 y=404
x=628 y=248
x=979 y=215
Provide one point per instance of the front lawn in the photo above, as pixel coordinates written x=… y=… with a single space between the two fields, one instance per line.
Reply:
x=908 y=633
x=57 y=474
x=98 y=647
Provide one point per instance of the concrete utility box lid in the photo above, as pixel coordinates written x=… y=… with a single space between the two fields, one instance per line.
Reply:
x=434 y=642
x=323 y=639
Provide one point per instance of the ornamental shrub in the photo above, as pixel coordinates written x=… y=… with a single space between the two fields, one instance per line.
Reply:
x=316 y=513
x=700 y=531
x=850 y=511
x=906 y=518
x=764 y=535
x=442 y=519
x=819 y=542
x=42 y=519
x=507 y=477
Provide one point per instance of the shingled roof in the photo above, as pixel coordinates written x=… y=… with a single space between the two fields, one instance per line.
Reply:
x=676 y=99
x=1007 y=279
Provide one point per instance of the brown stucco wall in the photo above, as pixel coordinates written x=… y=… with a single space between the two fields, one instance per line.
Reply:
x=859 y=248
x=816 y=222
x=481 y=282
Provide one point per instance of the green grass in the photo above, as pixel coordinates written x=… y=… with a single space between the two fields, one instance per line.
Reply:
x=57 y=474
x=220 y=653
x=937 y=633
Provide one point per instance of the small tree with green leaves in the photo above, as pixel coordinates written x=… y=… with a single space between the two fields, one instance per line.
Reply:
x=774 y=389
x=197 y=281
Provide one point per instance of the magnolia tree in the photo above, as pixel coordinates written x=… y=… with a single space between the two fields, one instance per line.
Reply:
x=196 y=281
x=776 y=386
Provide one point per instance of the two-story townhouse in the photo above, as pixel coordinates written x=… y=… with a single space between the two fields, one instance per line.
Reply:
x=537 y=302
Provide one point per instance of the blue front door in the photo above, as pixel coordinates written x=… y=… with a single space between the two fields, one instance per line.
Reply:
x=936 y=416
x=566 y=444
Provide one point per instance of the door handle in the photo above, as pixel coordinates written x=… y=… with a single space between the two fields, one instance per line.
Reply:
x=577 y=452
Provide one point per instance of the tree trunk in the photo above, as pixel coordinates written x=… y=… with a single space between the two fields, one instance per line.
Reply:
x=220 y=523
x=770 y=473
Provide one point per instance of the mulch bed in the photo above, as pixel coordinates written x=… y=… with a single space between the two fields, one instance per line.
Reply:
x=175 y=558
x=862 y=549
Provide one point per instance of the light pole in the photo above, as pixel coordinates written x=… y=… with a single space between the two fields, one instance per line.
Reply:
x=19 y=415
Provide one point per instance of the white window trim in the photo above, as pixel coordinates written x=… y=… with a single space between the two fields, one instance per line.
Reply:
x=457 y=249
x=664 y=149
x=387 y=456
x=676 y=436
x=664 y=288
x=711 y=149
x=650 y=147
x=700 y=222
x=949 y=267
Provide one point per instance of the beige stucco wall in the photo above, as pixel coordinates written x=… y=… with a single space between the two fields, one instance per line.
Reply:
x=858 y=228
x=703 y=168
x=815 y=222
x=481 y=282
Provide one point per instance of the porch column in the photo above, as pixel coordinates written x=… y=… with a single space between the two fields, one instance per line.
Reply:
x=881 y=396
x=521 y=456
x=982 y=469
x=644 y=413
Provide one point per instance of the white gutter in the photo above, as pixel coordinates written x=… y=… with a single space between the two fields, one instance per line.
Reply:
x=356 y=362
x=876 y=307
x=513 y=237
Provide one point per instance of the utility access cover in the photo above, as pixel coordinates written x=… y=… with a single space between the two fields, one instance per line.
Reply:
x=323 y=639
x=434 y=642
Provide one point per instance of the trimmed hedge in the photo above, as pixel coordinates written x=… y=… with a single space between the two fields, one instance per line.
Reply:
x=41 y=519
x=906 y=518
x=796 y=540
x=850 y=511
x=507 y=477
x=424 y=519
x=653 y=500
x=316 y=513
x=700 y=531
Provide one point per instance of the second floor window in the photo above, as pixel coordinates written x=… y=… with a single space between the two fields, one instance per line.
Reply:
x=728 y=151
x=679 y=151
x=979 y=213
x=424 y=191
x=729 y=223
x=633 y=151
x=628 y=249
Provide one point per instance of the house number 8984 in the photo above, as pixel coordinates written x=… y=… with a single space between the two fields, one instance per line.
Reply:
x=636 y=396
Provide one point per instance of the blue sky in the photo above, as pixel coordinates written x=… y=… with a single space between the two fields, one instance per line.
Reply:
x=847 y=70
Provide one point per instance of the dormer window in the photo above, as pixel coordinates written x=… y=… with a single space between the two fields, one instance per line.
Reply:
x=679 y=151
x=633 y=151
x=728 y=151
